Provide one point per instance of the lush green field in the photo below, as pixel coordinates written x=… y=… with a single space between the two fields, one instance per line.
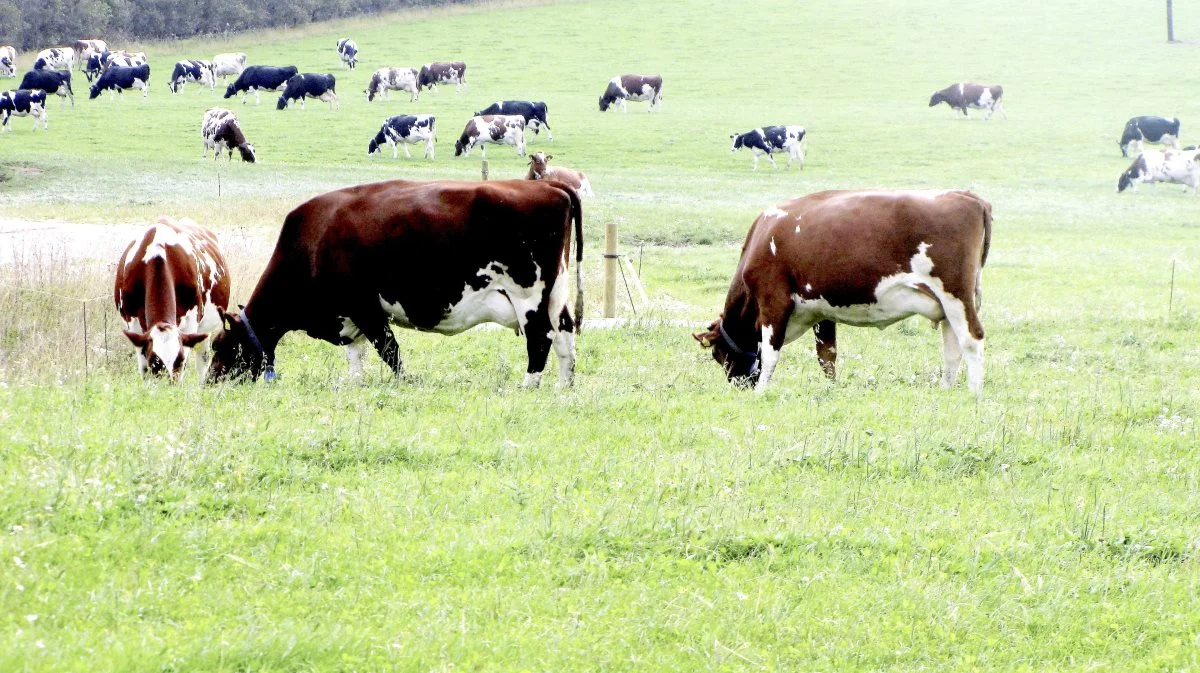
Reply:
x=651 y=518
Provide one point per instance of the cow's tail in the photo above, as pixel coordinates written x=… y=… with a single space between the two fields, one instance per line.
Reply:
x=577 y=215
x=987 y=244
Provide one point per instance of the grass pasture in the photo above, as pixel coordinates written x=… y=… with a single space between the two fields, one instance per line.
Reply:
x=651 y=518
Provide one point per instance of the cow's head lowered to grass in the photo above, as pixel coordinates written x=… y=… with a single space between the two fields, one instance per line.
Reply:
x=164 y=349
x=740 y=362
x=237 y=354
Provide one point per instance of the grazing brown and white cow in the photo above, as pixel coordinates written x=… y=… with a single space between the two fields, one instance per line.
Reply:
x=863 y=258
x=171 y=286
x=968 y=95
x=540 y=169
x=225 y=65
x=55 y=58
x=220 y=131
x=8 y=61
x=384 y=80
x=635 y=88
x=85 y=49
x=1181 y=167
x=446 y=72
x=431 y=256
x=494 y=129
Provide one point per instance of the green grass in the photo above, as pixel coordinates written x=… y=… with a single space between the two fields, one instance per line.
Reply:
x=651 y=518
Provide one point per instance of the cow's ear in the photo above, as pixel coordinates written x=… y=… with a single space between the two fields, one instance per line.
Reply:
x=191 y=340
x=139 y=339
x=549 y=157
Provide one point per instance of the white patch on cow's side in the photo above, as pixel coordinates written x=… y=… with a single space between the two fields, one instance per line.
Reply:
x=773 y=250
x=896 y=297
x=502 y=300
x=774 y=211
x=768 y=358
x=162 y=236
x=808 y=287
x=349 y=330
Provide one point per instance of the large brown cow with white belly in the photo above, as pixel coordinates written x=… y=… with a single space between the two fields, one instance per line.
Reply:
x=863 y=258
x=431 y=256
x=172 y=283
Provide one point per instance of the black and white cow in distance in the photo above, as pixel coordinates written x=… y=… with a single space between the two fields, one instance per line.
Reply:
x=534 y=112
x=443 y=72
x=24 y=103
x=384 y=80
x=220 y=131
x=633 y=88
x=93 y=67
x=56 y=58
x=968 y=95
x=348 y=50
x=309 y=85
x=1154 y=130
x=225 y=65
x=1181 y=167
x=192 y=71
x=8 y=61
x=494 y=129
x=430 y=256
x=84 y=49
x=118 y=79
x=124 y=59
x=50 y=81
x=405 y=130
x=767 y=140
x=260 y=78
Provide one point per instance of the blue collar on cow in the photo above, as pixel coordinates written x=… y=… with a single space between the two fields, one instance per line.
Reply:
x=269 y=371
x=738 y=353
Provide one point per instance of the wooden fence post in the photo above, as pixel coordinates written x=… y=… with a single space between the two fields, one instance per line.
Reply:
x=484 y=169
x=610 y=270
x=1170 y=21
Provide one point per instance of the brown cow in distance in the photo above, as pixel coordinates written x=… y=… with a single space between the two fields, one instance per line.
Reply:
x=967 y=95
x=448 y=72
x=172 y=283
x=431 y=256
x=863 y=258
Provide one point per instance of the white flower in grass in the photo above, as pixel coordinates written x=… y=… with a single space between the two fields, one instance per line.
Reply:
x=40 y=645
x=19 y=563
x=31 y=618
x=741 y=596
x=20 y=587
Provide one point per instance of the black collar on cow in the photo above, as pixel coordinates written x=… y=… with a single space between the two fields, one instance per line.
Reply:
x=269 y=371
x=751 y=357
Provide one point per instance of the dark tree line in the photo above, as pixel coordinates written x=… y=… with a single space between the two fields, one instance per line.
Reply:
x=35 y=24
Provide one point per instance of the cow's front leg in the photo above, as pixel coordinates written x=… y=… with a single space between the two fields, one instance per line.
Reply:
x=772 y=333
x=355 y=351
x=826 y=335
x=407 y=154
x=539 y=337
x=772 y=160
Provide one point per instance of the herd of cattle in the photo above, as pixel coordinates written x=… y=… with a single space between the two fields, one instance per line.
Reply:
x=445 y=256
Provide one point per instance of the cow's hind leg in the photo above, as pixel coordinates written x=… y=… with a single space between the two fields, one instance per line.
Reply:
x=951 y=355
x=826 y=335
x=539 y=337
x=968 y=330
x=564 y=348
